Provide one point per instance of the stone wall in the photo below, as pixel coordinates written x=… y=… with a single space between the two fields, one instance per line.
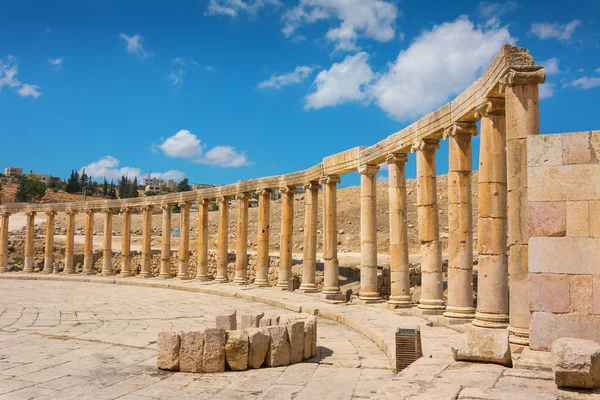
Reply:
x=564 y=244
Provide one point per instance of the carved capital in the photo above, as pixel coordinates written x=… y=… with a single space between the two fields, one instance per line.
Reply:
x=182 y=205
x=533 y=75
x=330 y=179
x=90 y=211
x=396 y=158
x=368 y=169
x=265 y=192
x=425 y=144
x=30 y=213
x=126 y=210
x=107 y=210
x=460 y=128
x=166 y=207
x=51 y=213
x=287 y=189
x=223 y=200
x=5 y=214
x=312 y=185
x=243 y=196
x=203 y=202
x=147 y=208
x=71 y=212
x=491 y=106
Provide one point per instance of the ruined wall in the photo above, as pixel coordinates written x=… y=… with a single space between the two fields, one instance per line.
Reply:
x=564 y=245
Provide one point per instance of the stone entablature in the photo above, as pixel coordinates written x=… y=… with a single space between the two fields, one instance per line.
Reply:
x=509 y=62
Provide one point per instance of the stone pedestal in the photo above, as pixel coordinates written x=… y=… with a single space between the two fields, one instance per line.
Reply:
x=184 y=241
x=125 y=243
x=88 y=244
x=241 y=245
x=368 y=233
x=287 y=224
x=331 y=287
x=262 y=264
x=69 y=242
x=202 y=267
x=4 y=241
x=311 y=214
x=483 y=345
x=165 y=248
x=49 y=245
x=107 y=244
x=399 y=265
x=223 y=243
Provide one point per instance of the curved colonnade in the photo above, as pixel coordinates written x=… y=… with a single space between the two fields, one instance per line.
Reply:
x=504 y=98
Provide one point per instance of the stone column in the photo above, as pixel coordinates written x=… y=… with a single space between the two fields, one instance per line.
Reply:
x=126 y=243
x=522 y=120
x=262 y=262
x=49 y=245
x=202 y=267
x=29 y=237
x=399 y=265
x=241 y=245
x=492 y=281
x=146 y=241
x=432 y=299
x=368 y=233
x=4 y=241
x=165 y=247
x=88 y=244
x=223 y=243
x=460 y=222
x=69 y=242
x=184 y=241
x=331 y=287
x=287 y=228
x=107 y=245
x=311 y=215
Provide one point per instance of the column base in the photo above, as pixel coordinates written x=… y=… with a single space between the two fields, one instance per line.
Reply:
x=431 y=306
x=27 y=271
x=107 y=273
x=401 y=301
x=239 y=281
x=182 y=278
x=483 y=345
x=261 y=283
x=370 y=297
x=462 y=313
x=492 y=321
x=90 y=273
x=201 y=278
x=308 y=288
x=67 y=272
x=125 y=275
x=45 y=272
x=518 y=336
x=221 y=279
x=164 y=276
x=145 y=275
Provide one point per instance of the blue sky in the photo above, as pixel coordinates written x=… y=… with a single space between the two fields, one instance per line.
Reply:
x=221 y=90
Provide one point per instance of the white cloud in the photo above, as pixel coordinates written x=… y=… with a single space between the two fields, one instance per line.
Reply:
x=299 y=74
x=344 y=81
x=597 y=70
x=108 y=167
x=233 y=7
x=180 y=66
x=8 y=77
x=133 y=44
x=374 y=19
x=56 y=62
x=551 y=66
x=487 y=9
x=587 y=82
x=29 y=90
x=554 y=30
x=185 y=144
x=546 y=90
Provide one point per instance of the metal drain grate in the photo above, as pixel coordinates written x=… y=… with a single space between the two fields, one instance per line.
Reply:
x=408 y=347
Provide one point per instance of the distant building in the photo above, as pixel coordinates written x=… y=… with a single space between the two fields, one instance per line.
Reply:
x=13 y=171
x=153 y=181
x=44 y=178
x=152 y=188
x=171 y=184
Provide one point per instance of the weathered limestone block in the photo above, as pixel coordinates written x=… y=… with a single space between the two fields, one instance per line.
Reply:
x=168 y=350
x=214 y=350
x=227 y=320
x=483 y=345
x=551 y=292
x=576 y=363
x=191 y=351
x=265 y=321
x=295 y=330
x=310 y=337
x=547 y=218
x=279 y=352
x=251 y=320
x=236 y=350
x=258 y=339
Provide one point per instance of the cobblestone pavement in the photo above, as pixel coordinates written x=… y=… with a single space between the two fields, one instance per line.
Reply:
x=61 y=340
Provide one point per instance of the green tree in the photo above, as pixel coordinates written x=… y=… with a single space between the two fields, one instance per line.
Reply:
x=35 y=188
x=113 y=192
x=84 y=179
x=184 y=185
x=105 y=187
x=21 y=195
x=73 y=185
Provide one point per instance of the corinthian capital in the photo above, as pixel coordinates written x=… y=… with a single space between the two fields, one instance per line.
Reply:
x=533 y=75
x=51 y=213
x=287 y=189
x=396 y=158
x=425 y=144
x=312 y=185
x=368 y=169
x=265 y=192
x=242 y=196
x=223 y=200
x=491 y=106
x=30 y=213
x=460 y=128
x=330 y=179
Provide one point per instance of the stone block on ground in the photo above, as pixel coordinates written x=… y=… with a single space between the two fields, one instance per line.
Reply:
x=226 y=320
x=191 y=351
x=265 y=321
x=576 y=363
x=168 y=351
x=258 y=339
x=483 y=345
x=278 y=353
x=295 y=330
x=250 y=320
x=236 y=350
x=310 y=336
x=214 y=350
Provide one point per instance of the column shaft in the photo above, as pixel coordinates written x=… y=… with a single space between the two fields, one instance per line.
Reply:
x=126 y=243
x=286 y=239
x=69 y=243
x=311 y=215
x=432 y=299
x=368 y=233
x=29 y=237
x=223 y=243
x=331 y=286
x=241 y=245
x=202 y=267
x=522 y=120
x=107 y=244
x=49 y=245
x=88 y=244
x=184 y=241
x=262 y=262
x=492 y=284
x=399 y=266
x=460 y=221
x=165 y=247
x=146 y=242
x=4 y=241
